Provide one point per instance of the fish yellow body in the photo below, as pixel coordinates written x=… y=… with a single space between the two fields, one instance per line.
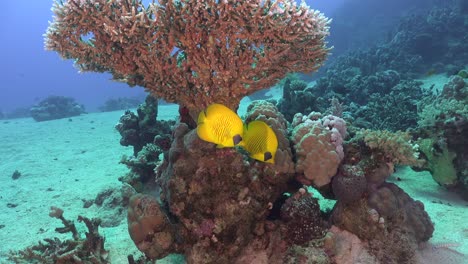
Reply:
x=220 y=125
x=260 y=141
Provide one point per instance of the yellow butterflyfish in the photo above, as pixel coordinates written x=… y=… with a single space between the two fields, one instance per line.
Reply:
x=220 y=125
x=260 y=141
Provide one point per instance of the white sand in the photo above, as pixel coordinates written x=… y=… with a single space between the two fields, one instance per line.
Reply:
x=63 y=162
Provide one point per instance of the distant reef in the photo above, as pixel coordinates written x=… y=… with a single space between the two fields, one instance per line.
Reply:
x=377 y=86
x=56 y=107
x=121 y=103
x=20 y=112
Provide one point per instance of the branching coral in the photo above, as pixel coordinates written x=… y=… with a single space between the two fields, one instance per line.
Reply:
x=391 y=147
x=77 y=250
x=191 y=52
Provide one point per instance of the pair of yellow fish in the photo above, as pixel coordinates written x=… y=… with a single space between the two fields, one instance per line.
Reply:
x=220 y=125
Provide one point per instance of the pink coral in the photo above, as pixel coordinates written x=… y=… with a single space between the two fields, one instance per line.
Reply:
x=319 y=147
x=191 y=52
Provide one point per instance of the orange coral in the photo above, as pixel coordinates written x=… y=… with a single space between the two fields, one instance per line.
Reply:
x=191 y=52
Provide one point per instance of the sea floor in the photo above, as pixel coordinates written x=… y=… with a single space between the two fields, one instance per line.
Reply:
x=65 y=162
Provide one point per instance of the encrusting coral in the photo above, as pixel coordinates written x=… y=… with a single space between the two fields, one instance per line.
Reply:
x=149 y=226
x=191 y=52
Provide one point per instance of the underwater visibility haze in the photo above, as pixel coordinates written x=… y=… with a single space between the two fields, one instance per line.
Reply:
x=228 y=131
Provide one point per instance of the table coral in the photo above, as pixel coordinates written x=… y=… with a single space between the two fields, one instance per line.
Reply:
x=191 y=52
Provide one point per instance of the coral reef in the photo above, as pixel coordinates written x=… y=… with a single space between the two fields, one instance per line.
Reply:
x=435 y=37
x=389 y=220
x=56 y=107
x=120 y=103
x=139 y=129
x=395 y=109
x=111 y=204
x=217 y=205
x=390 y=147
x=150 y=139
x=439 y=161
x=219 y=199
x=376 y=84
x=442 y=128
x=450 y=104
x=220 y=206
x=349 y=184
x=297 y=98
x=345 y=247
x=374 y=156
x=141 y=175
x=233 y=48
x=77 y=250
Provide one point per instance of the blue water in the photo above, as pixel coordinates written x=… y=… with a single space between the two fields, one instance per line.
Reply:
x=32 y=74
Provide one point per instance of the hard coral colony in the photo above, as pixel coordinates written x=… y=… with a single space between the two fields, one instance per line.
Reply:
x=193 y=53
x=215 y=204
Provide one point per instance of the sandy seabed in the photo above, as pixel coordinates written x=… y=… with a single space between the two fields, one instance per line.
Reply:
x=63 y=162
